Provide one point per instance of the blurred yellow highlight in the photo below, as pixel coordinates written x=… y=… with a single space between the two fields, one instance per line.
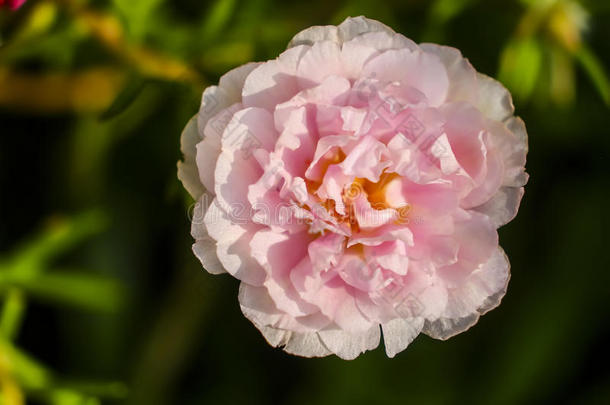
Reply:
x=88 y=91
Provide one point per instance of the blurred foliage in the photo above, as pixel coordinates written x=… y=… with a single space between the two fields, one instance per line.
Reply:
x=25 y=273
x=542 y=53
x=93 y=97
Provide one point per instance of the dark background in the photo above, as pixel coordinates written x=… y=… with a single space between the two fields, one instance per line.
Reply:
x=102 y=299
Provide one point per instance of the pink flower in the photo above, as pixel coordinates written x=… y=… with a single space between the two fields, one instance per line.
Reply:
x=12 y=4
x=355 y=185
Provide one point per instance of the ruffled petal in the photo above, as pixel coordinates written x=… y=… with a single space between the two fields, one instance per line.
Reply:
x=205 y=246
x=462 y=76
x=503 y=206
x=187 y=169
x=209 y=148
x=515 y=153
x=399 y=333
x=416 y=69
x=493 y=99
x=348 y=346
x=214 y=103
x=306 y=344
x=482 y=292
x=445 y=328
x=346 y=31
x=273 y=82
x=279 y=254
x=228 y=92
x=233 y=244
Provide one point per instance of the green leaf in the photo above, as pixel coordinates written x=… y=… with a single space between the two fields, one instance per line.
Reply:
x=439 y=15
x=138 y=15
x=562 y=76
x=79 y=289
x=217 y=18
x=443 y=11
x=596 y=72
x=135 y=83
x=29 y=373
x=60 y=235
x=520 y=65
x=39 y=21
x=226 y=56
x=68 y=397
x=40 y=382
x=12 y=313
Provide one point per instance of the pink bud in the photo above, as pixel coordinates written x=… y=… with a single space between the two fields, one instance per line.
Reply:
x=12 y=4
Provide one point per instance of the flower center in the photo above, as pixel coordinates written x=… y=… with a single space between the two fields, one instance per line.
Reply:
x=376 y=192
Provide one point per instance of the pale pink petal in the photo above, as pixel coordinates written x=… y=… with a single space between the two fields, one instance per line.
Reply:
x=237 y=166
x=399 y=333
x=306 y=345
x=512 y=142
x=348 y=346
x=367 y=159
x=417 y=69
x=334 y=299
x=388 y=232
x=326 y=251
x=209 y=148
x=322 y=59
x=216 y=102
x=390 y=255
x=228 y=92
x=328 y=149
x=462 y=76
x=273 y=82
x=478 y=240
x=503 y=206
x=187 y=169
x=279 y=254
x=233 y=247
x=364 y=276
x=370 y=218
x=346 y=31
x=352 y=27
x=205 y=246
x=493 y=99
x=480 y=294
x=382 y=40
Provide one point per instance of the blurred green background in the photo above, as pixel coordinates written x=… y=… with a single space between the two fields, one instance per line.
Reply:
x=102 y=300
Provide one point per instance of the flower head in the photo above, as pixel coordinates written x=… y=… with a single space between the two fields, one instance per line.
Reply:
x=355 y=185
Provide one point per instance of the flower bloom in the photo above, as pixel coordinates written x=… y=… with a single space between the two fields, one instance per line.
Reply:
x=12 y=4
x=355 y=185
